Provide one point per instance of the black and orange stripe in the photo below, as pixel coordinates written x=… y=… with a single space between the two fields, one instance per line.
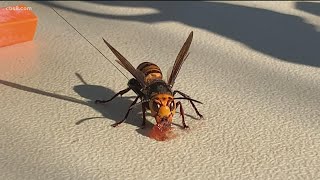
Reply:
x=150 y=70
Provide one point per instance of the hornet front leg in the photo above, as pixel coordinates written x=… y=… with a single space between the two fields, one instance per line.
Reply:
x=125 y=117
x=194 y=106
x=182 y=114
x=143 y=115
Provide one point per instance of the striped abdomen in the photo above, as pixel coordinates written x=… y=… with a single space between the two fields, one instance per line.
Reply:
x=151 y=71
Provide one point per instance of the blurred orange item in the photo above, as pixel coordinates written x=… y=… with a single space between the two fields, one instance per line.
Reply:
x=17 y=24
x=161 y=133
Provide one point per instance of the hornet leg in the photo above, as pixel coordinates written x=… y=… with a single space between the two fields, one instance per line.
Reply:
x=125 y=117
x=182 y=114
x=144 y=116
x=194 y=106
x=119 y=93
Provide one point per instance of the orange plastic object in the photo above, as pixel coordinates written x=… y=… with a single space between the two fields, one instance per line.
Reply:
x=17 y=24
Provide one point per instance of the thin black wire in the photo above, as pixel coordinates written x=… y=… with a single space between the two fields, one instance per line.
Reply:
x=89 y=42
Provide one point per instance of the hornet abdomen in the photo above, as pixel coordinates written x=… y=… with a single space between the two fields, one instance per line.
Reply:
x=151 y=71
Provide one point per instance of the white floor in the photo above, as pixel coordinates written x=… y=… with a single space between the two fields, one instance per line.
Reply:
x=255 y=65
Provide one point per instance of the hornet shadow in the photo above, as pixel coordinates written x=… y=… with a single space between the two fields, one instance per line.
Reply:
x=114 y=110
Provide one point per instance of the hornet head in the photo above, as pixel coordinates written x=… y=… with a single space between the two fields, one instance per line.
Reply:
x=162 y=107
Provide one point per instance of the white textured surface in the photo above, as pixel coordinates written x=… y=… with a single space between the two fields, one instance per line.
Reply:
x=261 y=110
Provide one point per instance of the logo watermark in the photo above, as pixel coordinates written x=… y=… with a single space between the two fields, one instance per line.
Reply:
x=17 y=8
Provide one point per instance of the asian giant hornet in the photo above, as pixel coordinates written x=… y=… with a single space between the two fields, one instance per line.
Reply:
x=155 y=94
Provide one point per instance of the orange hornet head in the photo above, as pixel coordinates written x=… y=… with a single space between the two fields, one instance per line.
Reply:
x=162 y=107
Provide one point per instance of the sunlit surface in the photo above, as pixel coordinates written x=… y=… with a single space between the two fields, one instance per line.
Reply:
x=18 y=59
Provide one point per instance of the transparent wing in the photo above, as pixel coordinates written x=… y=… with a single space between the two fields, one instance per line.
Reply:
x=182 y=56
x=127 y=65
